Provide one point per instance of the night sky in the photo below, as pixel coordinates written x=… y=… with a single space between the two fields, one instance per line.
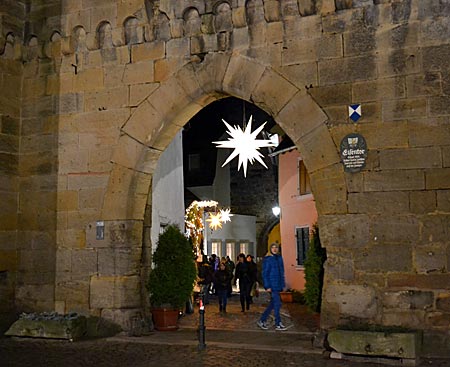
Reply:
x=207 y=126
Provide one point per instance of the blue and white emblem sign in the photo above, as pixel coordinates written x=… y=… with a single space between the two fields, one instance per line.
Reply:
x=354 y=112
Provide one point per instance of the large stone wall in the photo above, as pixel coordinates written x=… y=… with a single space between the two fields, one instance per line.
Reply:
x=11 y=71
x=106 y=85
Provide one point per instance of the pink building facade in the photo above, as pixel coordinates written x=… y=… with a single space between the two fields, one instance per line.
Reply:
x=297 y=217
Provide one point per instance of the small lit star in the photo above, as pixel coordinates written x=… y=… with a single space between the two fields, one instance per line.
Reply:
x=225 y=215
x=214 y=221
x=245 y=144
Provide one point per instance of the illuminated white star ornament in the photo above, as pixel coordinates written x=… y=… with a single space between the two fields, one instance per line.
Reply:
x=245 y=144
x=225 y=215
x=214 y=221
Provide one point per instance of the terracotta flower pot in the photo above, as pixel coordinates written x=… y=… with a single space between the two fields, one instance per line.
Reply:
x=287 y=297
x=165 y=319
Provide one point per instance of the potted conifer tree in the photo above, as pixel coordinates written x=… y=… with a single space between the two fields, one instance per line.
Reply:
x=171 y=281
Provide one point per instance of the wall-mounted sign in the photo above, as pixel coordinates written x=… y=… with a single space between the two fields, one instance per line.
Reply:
x=100 y=230
x=354 y=112
x=353 y=152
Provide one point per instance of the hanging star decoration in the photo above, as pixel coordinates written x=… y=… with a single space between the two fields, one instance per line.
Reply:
x=225 y=215
x=214 y=220
x=245 y=144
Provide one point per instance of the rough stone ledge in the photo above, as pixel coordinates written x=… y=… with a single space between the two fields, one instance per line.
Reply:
x=69 y=327
x=400 y=345
x=57 y=327
x=363 y=359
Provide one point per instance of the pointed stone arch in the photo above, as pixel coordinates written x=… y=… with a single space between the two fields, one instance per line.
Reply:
x=154 y=123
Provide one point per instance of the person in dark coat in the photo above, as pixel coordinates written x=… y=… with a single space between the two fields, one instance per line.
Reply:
x=230 y=266
x=205 y=275
x=253 y=269
x=243 y=275
x=222 y=278
x=274 y=283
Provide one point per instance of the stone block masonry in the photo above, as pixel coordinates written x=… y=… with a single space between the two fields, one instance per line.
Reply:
x=94 y=91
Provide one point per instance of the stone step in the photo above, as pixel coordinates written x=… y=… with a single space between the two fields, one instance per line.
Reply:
x=268 y=340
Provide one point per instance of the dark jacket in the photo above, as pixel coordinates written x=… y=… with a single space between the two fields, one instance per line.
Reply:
x=273 y=273
x=205 y=274
x=243 y=273
x=222 y=279
x=253 y=268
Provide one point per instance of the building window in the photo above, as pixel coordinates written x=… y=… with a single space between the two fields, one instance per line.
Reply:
x=216 y=248
x=194 y=162
x=302 y=236
x=231 y=250
x=244 y=248
x=304 y=186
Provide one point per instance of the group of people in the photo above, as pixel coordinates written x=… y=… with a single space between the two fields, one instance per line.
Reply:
x=218 y=276
x=215 y=277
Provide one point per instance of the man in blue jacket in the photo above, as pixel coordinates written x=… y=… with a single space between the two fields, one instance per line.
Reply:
x=273 y=278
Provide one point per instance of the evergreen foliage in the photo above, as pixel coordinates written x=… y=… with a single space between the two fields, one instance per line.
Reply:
x=171 y=282
x=315 y=258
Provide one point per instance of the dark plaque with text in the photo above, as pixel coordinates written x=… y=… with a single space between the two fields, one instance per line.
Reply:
x=353 y=152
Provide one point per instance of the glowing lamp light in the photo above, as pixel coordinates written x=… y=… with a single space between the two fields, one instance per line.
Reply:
x=276 y=211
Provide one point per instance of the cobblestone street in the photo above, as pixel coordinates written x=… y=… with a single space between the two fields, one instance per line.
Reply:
x=106 y=353
x=232 y=340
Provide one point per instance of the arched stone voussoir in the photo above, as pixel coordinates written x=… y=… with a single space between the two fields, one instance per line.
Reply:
x=126 y=195
x=273 y=92
x=134 y=155
x=144 y=124
x=190 y=82
x=300 y=116
x=242 y=76
x=210 y=72
x=318 y=149
x=173 y=102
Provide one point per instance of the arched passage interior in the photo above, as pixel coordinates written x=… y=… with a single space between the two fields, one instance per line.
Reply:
x=155 y=122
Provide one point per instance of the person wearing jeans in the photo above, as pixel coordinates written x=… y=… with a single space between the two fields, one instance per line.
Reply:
x=222 y=279
x=274 y=283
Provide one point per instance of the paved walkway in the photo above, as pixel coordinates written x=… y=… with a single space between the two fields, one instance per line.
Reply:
x=236 y=329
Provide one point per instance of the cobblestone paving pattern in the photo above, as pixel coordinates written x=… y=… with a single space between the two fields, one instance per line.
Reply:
x=136 y=352
x=102 y=353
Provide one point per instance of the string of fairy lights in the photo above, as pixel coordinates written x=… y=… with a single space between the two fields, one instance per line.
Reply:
x=194 y=219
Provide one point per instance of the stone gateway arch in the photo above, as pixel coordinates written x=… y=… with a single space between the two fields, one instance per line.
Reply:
x=94 y=91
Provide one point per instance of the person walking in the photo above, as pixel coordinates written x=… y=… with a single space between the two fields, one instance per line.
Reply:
x=230 y=266
x=205 y=275
x=243 y=275
x=274 y=283
x=253 y=270
x=222 y=279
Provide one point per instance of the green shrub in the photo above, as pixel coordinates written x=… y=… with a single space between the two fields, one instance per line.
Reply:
x=298 y=297
x=315 y=258
x=171 y=282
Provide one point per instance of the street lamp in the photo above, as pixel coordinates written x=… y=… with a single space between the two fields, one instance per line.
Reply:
x=276 y=211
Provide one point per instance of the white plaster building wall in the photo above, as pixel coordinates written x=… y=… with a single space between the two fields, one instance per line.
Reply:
x=202 y=192
x=168 y=189
x=242 y=228
x=220 y=189
x=221 y=184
